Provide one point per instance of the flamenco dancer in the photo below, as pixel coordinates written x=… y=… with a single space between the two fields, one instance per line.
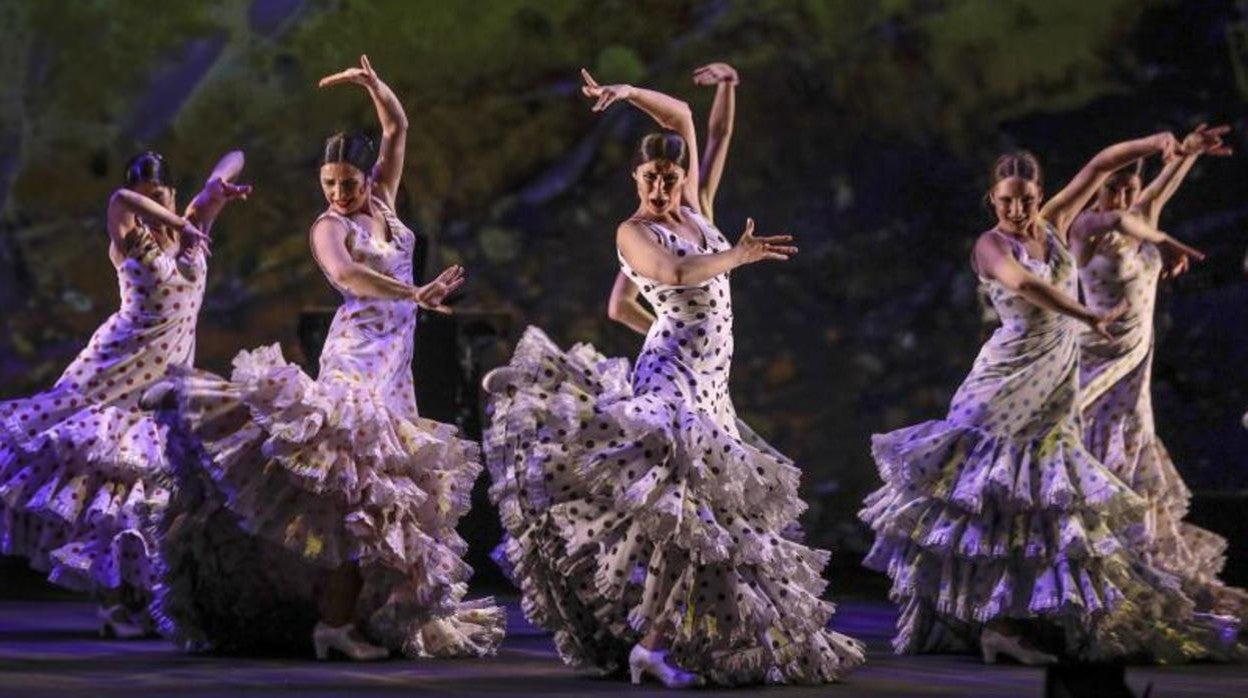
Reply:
x=325 y=509
x=1000 y=531
x=646 y=525
x=81 y=466
x=1117 y=267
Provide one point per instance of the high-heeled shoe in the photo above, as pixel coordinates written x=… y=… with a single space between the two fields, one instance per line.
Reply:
x=993 y=643
x=116 y=623
x=160 y=396
x=327 y=637
x=642 y=661
x=498 y=380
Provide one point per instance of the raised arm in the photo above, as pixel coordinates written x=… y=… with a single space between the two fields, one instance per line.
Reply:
x=218 y=190
x=388 y=171
x=1091 y=227
x=329 y=248
x=668 y=112
x=653 y=260
x=624 y=308
x=719 y=130
x=1061 y=210
x=1202 y=141
x=126 y=206
x=994 y=260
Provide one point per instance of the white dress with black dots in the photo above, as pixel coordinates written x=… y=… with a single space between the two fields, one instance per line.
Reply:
x=628 y=503
x=282 y=478
x=1116 y=399
x=999 y=512
x=81 y=466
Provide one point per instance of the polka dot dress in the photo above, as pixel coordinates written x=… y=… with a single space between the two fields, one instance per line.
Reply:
x=283 y=477
x=636 y=500
x=1116 y=400
x=999 y=512
x=81 y=465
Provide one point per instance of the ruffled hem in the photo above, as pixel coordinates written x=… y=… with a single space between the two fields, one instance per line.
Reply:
x=974 y=528
x=297 y=478
x=625 y=511
x=77 y=495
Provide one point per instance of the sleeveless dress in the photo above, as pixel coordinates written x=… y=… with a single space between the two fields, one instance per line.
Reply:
x=81 y=466
x=282 y=478
x=1116 y=400
x=630 y=501
x=999 y=512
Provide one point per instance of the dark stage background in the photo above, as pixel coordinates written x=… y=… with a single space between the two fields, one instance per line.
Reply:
x=865 y=128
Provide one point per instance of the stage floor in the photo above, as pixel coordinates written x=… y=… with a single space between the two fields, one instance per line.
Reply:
x=50 y=648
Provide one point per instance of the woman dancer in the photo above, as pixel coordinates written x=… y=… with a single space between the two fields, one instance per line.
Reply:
x=1115 y=372
x=995 y=524
x=643 y=518
x=330 y=500
x=80 y=464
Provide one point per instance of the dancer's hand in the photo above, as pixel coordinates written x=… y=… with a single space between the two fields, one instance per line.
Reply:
x=1100 y=324
x=363 y=75
x=1166 y=144
x=1205 y=141
x=606 y=95
x=431 y=295
x=750 y=249
x=222 y=190
x=715 y=73
x=192 y=237
x=1173 y=262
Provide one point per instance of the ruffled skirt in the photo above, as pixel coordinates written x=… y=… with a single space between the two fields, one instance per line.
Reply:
x=974 y=528
x=625 y=512
x=283 y=478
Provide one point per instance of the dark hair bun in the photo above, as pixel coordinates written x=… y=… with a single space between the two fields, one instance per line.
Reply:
x=147 y=166
x=662 y=146
x=352 y=148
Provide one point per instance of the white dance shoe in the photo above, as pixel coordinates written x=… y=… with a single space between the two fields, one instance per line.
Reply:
x=159 y=397
x=642 y=661
x=498 y=380
x=116 y=622
x=326 y=638
x=993 y=643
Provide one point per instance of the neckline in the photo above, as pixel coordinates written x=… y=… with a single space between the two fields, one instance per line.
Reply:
x=704 y=245
x=1048 y=246
x=390 y=236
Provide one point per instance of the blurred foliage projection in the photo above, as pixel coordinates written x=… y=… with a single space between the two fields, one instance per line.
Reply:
x=864 y=127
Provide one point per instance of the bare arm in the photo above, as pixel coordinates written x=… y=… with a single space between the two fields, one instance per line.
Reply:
x=388 y=170
x=624 y=308
x=329 y=248
x=218 y=190
x=1201 y=141
x=1061 y=210
x=994 y=260
x=668 y=112
x=653 y=260
x=719 y=130
x=125 y=207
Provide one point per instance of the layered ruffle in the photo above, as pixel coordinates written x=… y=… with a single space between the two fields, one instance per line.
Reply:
x=328 y=473
x=75 y=495
x=625 y=511
x=975 y=527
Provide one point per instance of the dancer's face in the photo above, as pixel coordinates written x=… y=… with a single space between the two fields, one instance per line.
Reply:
x=160 y=193
x=345 y=186
x=1119 y=193
x=1016 y=202
x=659 y=183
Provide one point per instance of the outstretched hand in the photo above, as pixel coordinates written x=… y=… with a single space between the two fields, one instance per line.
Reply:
x=432 y=295
x=363 y=75
x=606 y=95
x=715 y=73
x=1167 y=145
x=222 y=190
x=752 y=249
x=1205 y=141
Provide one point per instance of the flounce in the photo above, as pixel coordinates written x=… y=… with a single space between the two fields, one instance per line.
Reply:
x=76 y=497
x=627 y=511
x=327 y=473
x=973 y=527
